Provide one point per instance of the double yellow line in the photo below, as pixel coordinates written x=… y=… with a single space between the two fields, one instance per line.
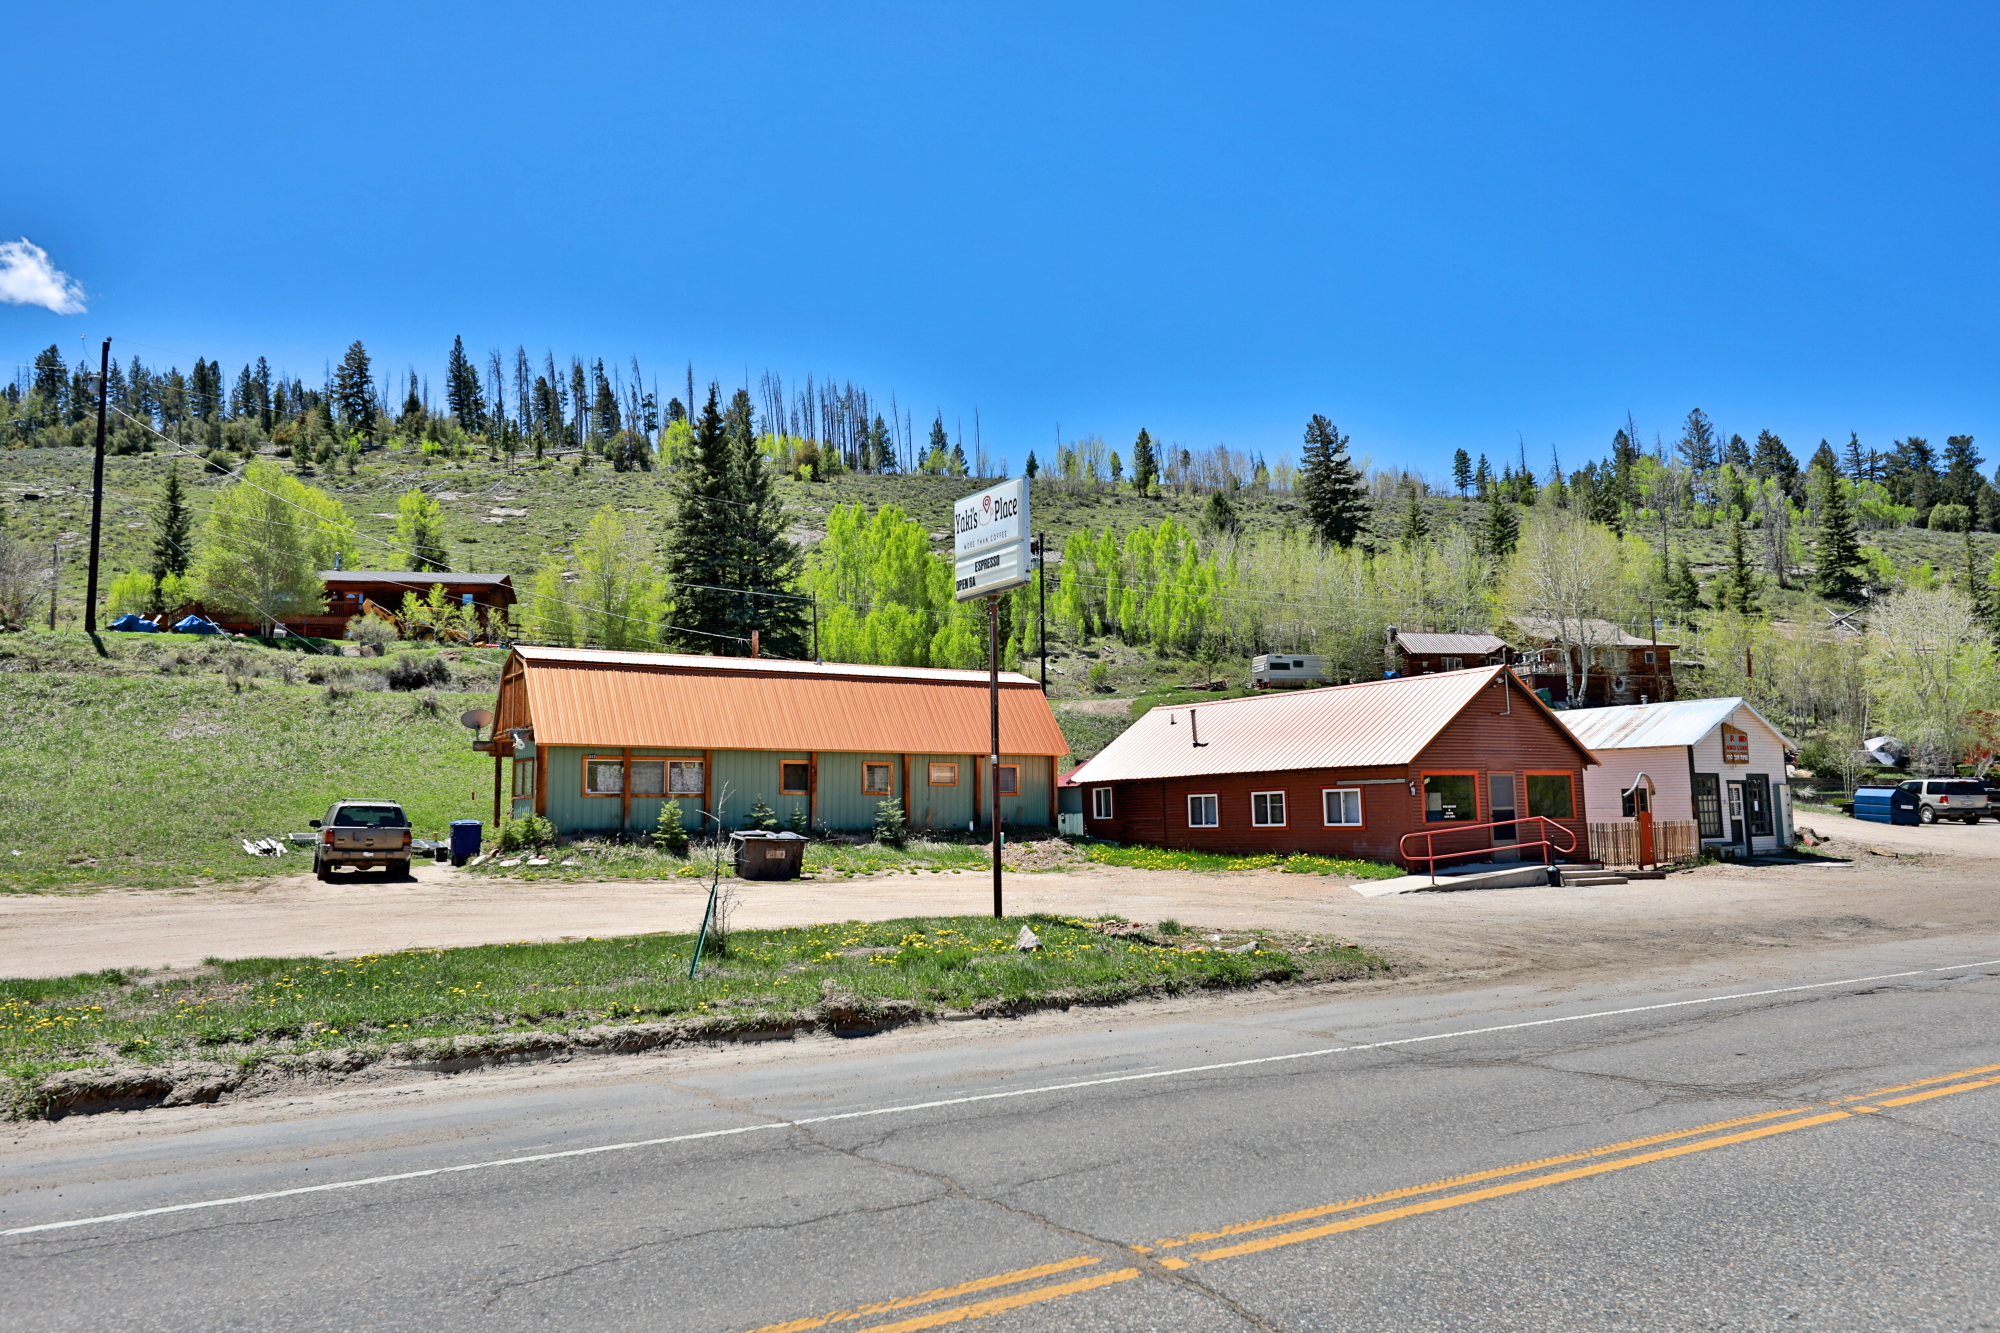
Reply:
x=1366 y=1211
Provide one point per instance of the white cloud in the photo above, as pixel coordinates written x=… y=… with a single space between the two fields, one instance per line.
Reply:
x=28 y=278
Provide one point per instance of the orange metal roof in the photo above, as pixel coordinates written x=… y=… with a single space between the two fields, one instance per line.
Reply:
x=1374 y=723
x=578 y=696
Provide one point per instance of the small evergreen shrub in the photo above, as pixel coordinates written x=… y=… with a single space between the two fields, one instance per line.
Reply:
x=670 y=833
x=891 y=829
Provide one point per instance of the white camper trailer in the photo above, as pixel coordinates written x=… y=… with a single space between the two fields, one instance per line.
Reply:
x=1286 y=671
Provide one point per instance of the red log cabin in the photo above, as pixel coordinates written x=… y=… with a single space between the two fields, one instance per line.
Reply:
x=1346 y=772
x=347 y=591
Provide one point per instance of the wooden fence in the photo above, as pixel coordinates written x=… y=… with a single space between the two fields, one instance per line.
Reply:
x=1618 y=844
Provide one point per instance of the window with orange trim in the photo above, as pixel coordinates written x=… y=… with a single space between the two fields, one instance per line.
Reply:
x=1451 y=798
x=1551 y=795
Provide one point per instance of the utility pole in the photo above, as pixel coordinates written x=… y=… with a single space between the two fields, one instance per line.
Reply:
x=97 y=489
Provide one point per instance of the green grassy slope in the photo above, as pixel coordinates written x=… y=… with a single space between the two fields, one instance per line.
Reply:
x=146 y=770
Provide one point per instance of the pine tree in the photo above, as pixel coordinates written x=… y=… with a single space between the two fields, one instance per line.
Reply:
x=1960 y=483
x=51 y=385
x=1331 y=491
x=1740 y=588
x=1697 y=443
x=1737 y=454
x=1839 y=549
x=413 y=407
x=1773 y=460
x=1988 y=508
x=1855 y=460
x=1501 y=532
x=1219 y=516
x=1678 y=588
x=1979 y=590
x=1033 y=468
x=1145 y=465
x=1826 y=460
x=727 y=544
x=171 y=526
x=354 y=390
x=1461 y=471
x=604 y=418
x=463 y=396
x=937 y=456
x=1415 y=527
x=420 y=532
x=879 y=450
x=261 y=377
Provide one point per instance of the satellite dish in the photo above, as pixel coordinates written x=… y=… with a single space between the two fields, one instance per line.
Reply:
x=475 y=719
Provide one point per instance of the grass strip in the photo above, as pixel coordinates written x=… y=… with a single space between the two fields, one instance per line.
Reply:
x=591 y=859
x=436 y=1004
x=1297 y=863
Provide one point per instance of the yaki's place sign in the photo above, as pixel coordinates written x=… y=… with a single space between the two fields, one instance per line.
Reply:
x=990 y=540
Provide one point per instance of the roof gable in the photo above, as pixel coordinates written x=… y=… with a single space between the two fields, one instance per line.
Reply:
x=1649 y=726
x=1366 y=725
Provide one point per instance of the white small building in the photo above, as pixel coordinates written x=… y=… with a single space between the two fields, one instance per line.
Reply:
x=1286 y=671
x=1716 y=762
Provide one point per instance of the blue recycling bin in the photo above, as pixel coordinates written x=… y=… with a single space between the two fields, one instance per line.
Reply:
x=464 y=840
x=1885 y=805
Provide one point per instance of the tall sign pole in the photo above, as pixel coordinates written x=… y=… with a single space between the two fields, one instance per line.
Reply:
x=993 y=702
x=97 y=489
x=990 y=557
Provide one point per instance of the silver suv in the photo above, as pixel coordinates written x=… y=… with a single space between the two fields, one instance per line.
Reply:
x=1949 y=798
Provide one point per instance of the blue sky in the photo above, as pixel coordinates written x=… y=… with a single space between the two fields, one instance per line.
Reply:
x=1444 y=226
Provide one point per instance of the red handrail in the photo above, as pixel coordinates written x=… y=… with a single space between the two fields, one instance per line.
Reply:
x=1432 y=856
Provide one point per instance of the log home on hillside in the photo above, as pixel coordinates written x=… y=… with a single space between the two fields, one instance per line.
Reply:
x=1346 y=771
x=600 y=740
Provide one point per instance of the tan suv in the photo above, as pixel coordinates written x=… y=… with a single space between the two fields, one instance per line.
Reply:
x=1949 y=798
x=362 y=834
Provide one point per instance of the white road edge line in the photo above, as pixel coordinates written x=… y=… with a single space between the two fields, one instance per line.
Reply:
x=963 y=1101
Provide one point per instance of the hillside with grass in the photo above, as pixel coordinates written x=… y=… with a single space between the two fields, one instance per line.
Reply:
x=1155 y=593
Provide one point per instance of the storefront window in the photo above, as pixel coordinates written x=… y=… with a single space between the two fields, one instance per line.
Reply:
x=1450 y=797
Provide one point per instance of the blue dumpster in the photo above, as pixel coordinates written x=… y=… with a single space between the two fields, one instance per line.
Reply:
x=1885 y=805
x=464 y=840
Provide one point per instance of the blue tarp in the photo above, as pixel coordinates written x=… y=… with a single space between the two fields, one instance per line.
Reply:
x=130 y=623
x=196 y=625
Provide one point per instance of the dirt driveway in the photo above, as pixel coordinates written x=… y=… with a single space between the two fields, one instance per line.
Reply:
x=1901 y=883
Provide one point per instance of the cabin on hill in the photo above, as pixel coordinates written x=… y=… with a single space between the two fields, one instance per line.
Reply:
x=1346 y=771
x=1413 y=653
x=1622 y=668
x=599 y=741
x=350 y=591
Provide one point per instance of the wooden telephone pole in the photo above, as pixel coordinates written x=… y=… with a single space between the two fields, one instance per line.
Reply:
x=97 y=490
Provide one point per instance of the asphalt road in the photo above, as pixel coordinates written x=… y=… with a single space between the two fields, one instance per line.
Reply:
x=1790 y=1152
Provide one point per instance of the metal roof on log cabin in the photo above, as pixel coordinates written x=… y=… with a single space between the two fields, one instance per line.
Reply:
x=1373 y=723
x=582 y=696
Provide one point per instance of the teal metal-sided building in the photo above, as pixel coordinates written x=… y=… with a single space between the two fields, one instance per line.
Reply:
x=597 y=741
